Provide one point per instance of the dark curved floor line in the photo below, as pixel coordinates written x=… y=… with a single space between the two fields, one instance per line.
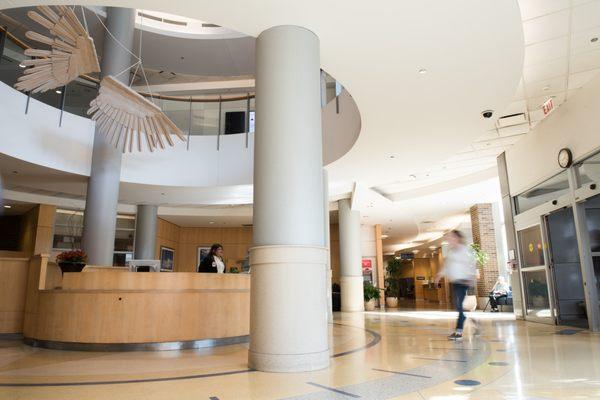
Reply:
x=376 y=339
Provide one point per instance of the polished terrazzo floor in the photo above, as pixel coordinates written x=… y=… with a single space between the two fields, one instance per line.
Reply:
x=393 y=355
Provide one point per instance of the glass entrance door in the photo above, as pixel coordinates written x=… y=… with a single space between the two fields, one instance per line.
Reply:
x=538 y=304
x=565 y=268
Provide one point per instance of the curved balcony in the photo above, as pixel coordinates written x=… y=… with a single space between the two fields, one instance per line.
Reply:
x=52 y=130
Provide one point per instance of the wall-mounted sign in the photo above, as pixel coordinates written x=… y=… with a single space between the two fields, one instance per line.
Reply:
x=367 y=266
x=407 y=256
x=420 y=278
x=548 y=106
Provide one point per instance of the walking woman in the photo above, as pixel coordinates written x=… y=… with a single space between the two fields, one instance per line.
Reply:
x=459 y=268
x=213 y=262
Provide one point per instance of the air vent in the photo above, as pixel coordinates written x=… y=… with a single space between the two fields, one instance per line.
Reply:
x=163 y=20
x=512 y=119
x=207 y=25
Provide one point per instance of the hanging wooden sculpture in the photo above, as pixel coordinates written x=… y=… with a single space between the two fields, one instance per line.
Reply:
x=124 y=116
x=72 y=54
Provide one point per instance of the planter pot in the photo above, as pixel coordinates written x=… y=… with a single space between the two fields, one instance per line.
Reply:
x=470 y=303
x=370 y=305
x=71 y=266
x=391 y=302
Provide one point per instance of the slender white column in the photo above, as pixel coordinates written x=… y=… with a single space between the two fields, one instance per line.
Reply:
x=102 y=197
x=329 y=272
x=351 y=280
x=145 y=232
x=288 y=316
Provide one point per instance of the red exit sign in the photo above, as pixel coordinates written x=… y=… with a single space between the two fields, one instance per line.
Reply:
x=548 y=106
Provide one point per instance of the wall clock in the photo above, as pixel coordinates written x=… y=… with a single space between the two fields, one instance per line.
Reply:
x=565 y=158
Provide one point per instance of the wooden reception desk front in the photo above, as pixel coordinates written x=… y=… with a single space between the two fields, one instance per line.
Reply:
x=115 y=307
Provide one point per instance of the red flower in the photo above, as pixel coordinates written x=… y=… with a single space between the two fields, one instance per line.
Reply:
x=75 y=256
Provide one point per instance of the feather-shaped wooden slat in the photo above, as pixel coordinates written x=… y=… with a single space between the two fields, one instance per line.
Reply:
x=73 y=52
x=121 y=113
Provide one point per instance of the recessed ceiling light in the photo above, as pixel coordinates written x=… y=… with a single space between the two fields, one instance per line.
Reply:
x=546 y=88
x=432 y=247
x=15 y=172
x=422 y=71
x=415 y=251
x=7 y=206
x=392 y=156
x=211 y=222
x=22 y=66
x=412 y=176
x=384 y=236
x=162 y=194
x=594 y=39
x=58 y=91
x=444 y=243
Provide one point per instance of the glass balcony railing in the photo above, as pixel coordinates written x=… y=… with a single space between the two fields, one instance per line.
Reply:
x=195 y=116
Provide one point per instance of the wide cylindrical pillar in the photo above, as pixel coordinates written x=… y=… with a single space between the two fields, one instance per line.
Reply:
x=102 y=197
x=328 y=271
x=351 y=279
x=288 y=316
x=145 y=232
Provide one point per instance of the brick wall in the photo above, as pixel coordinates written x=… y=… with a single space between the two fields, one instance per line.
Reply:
x=482 y=223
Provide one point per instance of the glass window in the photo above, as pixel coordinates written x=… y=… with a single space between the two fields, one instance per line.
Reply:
x=530 y=243
x=548 y=190
x=79 y=95
x=589 y=169
x=68 y=230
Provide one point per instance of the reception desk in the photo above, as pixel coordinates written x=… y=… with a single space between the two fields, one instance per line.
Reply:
x=115 y=308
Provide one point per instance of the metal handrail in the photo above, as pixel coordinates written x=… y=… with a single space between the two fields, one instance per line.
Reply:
x=187 y=99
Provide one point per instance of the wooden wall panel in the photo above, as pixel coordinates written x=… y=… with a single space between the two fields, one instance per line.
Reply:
x=167 y=235
x=13 y=287
x=421 y=268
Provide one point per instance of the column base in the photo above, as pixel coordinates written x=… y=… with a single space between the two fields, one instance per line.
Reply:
x=288 y=362
x=352 y=293
x=288 y=309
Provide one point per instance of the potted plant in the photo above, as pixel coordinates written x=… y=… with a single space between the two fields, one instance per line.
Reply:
x=392 y=283
x=371 y=293
x=481 y=257
x=71 y=261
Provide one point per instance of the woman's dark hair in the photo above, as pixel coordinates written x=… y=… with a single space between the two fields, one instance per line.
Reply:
x=459 y=235
x=214 y=248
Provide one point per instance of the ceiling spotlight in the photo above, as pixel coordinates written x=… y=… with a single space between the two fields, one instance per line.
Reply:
x=7 y=206
x=58 y=91
x=594 y=39
x=412 y=177
x=162 y=194
x=384 y=236
x=422 y=71
x=392 y=156
x=22 y=66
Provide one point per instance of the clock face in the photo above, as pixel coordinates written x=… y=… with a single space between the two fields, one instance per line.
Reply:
x=565 y=158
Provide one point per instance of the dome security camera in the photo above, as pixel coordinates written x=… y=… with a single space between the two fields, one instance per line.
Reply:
x=487 y=113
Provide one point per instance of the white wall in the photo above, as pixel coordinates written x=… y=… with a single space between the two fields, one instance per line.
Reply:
x=35 y=137
x=575 y=124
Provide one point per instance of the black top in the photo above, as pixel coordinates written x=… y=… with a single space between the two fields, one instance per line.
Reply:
x=208 y=264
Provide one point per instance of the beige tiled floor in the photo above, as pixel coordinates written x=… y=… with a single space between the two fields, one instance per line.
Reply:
x=412 y=360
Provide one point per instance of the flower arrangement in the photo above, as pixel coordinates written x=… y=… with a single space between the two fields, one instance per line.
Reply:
x=73 y=256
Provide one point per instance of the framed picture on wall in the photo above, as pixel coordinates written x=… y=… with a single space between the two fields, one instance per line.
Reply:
x=203 y=251
x=167 y=258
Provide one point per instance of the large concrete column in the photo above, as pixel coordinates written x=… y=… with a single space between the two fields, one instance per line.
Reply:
x=288 y=316
x=103 y=186
x=145 y=232
x=328 y=271
x=351 y=280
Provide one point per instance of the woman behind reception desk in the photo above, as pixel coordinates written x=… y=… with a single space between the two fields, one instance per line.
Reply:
x=213 y=262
